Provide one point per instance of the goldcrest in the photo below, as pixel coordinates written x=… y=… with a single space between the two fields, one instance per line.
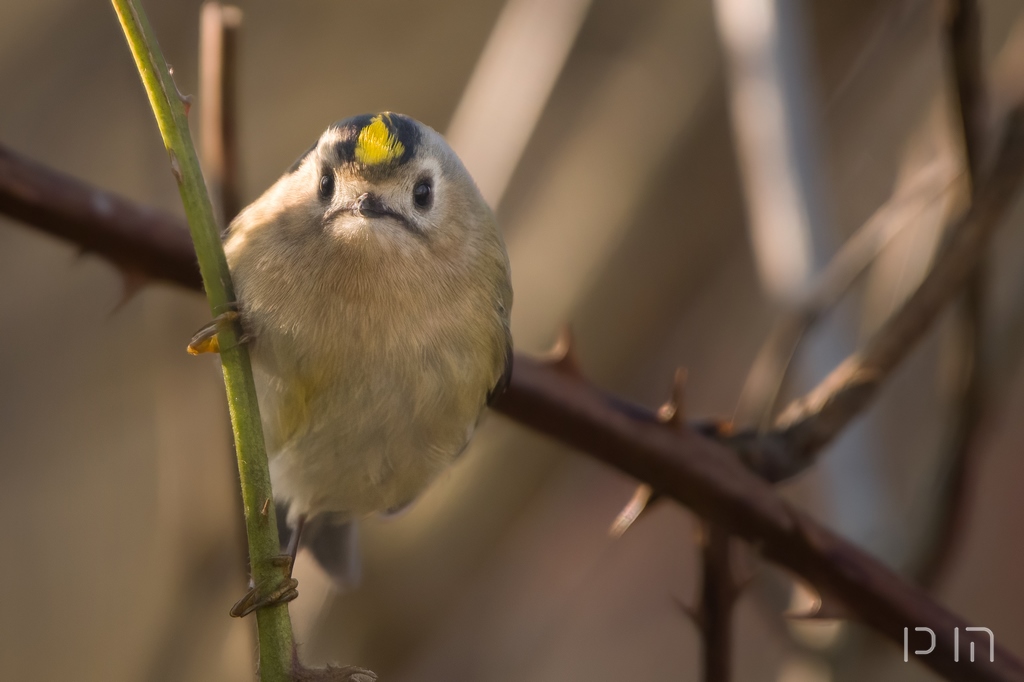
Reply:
x=374 y=291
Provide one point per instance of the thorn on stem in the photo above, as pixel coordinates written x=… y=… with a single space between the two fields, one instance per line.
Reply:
x=563 y=356
x=640 y=501
x=724 y=428
x=132 y=281
x=186 y=100
x=175 y=165
x=809 y=605
x=673 y=412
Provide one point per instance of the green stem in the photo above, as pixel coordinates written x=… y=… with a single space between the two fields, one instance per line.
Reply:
x=274 y=625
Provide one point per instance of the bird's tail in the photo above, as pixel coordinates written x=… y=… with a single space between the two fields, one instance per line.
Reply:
x=333 y=542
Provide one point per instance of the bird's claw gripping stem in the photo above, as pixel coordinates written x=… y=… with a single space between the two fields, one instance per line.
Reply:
x=206 y=340
x=280 y=588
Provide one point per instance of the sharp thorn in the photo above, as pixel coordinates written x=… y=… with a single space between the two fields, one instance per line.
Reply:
x=186 y=100
x=810 y=605
x=175 y=166
x=642 y=498
x=673 y=412
x=562 y=355
x=132 y=281
x=725 y=428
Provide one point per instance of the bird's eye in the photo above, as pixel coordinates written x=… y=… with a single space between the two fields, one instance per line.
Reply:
x=423 y=194
x=326 y=185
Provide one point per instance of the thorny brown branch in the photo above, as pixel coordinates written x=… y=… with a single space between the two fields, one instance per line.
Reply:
x=718 y=592
x=706 y=476
x=689 y=464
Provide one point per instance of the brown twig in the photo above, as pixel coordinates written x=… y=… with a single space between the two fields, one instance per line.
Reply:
x=757 y=402
x=718 y=594
x=936 y=542
x=718 y=587
x=965 y=49
x=218 y=42
x=688 y=465
x=929 y=562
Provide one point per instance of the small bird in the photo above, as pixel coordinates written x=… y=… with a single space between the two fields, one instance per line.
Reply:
x=374 y=290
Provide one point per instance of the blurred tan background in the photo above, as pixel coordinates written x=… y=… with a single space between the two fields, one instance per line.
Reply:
x=603 y=128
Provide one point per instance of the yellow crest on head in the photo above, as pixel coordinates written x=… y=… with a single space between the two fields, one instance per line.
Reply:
x=376 y=144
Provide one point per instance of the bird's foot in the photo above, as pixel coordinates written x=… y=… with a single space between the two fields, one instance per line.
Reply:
x=207 y=339
x=279 y=588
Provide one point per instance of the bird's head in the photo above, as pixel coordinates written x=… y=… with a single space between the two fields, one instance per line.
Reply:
x=388 y=178
x=379 y=198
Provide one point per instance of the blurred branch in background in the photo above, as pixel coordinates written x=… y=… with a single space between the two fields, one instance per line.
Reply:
x=1007 y=87
x=718 y=593
x=510 y=86
x=774 y=122
x=218 y=106
x=969 y=79
x=812 y=421
x=774 y=134
x=964 y=355
x=767 y=376
x=815 y=419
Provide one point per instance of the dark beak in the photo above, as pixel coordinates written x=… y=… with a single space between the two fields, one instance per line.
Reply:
x=369 y=206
